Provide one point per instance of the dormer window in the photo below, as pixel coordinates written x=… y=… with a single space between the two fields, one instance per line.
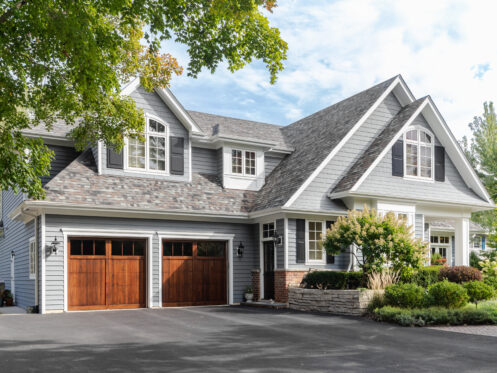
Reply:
x=151 y=154
x=418 y=162
x=242 y=162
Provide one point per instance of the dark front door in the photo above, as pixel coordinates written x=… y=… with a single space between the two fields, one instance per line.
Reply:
x=268 y=270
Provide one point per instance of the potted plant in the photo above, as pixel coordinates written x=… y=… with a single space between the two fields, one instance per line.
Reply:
x=8 y=298
x=249 y=293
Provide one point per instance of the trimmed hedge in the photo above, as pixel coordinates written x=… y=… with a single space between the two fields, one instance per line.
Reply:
x=333 y=280
x=425 y=276
x=459 y=274
x=405 y=295
x=447 y=294
x=434 y=316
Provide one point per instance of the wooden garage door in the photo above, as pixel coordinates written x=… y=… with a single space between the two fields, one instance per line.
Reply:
x=106 y=273
x=193 y=273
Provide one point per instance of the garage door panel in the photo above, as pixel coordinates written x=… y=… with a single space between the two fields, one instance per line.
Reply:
x=199 y=279
x=103 y=280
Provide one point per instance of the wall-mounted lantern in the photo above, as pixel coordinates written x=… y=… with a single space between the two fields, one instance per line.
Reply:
x=277 y=239
x=54 y=246
x=239 y=250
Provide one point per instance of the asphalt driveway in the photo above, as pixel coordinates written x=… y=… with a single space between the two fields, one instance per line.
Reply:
x=226 y=339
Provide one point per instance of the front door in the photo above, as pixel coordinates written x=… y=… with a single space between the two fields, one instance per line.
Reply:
x=268 y=270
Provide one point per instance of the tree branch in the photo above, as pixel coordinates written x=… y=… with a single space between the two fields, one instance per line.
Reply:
x=4 y=17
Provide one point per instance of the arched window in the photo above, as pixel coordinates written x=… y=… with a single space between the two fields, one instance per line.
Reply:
x=419 y=145
x=151 y=154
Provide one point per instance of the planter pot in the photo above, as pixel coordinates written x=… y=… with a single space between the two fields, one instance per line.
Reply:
x=249 y=297
x=9 y=302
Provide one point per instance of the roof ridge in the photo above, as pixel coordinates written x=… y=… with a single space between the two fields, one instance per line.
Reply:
x=230 y=117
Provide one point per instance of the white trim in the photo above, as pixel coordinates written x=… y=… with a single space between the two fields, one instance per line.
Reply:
x=285 y=238
x=344 y=140
x=261 y=263
x=100 y=156
x=43 y=307
x=130 y=87
x=88 y=232
x=390 y=144
x=32 y=276
x=203 y=236
x=171 y=101
x=323 y=232
x=190 y=157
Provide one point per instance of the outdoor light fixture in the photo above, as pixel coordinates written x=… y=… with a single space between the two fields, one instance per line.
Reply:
x=53 y=246
x=12 y=254
x=240 y=248
x=277 y=239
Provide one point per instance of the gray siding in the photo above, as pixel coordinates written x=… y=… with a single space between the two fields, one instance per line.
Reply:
x=381 y=183
x=341 y=260
x=315 y=197
x=63 y=156
x=280 y=249
x=204 y=161
x=242 y=266
x=220 y=170
x=151 y=103
x=94 y=151
x=271 y=160
x=16 y=238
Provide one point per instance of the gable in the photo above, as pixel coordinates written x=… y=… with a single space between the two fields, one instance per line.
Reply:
x=315 y=196
x=380 y=181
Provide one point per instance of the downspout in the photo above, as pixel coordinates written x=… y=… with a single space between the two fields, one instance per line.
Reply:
x=37 y=240
x=351 y=257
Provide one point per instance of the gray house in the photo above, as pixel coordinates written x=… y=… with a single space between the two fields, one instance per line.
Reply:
x=210 y=204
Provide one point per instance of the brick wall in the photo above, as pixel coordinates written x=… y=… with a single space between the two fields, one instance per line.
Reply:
x=256 y=284
x=282 y=280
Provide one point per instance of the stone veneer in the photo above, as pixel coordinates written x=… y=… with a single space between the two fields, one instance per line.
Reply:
x=339 y=302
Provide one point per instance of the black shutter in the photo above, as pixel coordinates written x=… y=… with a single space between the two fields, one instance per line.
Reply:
x=115 y=159
x=177 y=163
x=300 y=240
x=439 y=163
x=398 y=158
x=330 y=259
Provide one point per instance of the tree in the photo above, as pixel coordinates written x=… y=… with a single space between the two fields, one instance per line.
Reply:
x=383 y=240
x=481 y=151
x=67 y=60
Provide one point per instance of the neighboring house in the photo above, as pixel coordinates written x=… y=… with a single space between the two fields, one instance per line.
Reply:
x=442 y=240
x=210 y=204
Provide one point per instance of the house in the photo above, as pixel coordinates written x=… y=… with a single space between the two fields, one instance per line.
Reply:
x=442 y=239
x=211 y=204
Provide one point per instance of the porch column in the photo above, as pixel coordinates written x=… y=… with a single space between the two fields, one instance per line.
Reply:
x=462 y=241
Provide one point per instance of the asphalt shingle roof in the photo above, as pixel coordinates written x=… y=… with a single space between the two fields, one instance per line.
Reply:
x=377 y=146
x=213 y=125
x=59 y=129
x=80 y=184
x=313 y=138
x=442 y=224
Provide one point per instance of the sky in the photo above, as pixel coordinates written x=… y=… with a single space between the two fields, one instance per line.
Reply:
x=446 y=49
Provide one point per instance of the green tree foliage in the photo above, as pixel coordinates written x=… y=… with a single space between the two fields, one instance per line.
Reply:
x=67 y=60
x=481 y=152
x=383 y=240
x=479 y=291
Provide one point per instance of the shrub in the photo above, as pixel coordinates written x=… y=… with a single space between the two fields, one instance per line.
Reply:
x=447 y=294
x=459 y=274
x=378 y=301
x=437 y=260
x=434 y=316
x=383 y=239
x=489 y=272
x=333 y=280
x=405 y=295
x=474 y=260
x=478 y=291
x=425 y=276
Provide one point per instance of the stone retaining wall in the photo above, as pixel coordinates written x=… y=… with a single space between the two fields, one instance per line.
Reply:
x=339 y=302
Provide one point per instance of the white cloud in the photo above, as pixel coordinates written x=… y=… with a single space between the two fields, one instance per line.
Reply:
x=337 y=48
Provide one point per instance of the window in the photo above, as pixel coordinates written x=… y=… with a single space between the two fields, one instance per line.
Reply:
x=243 y=162
x=444 y=240
x=127 y=247
x=434 y=239
x=476 y=242
x=439 y=250
x=151 y=154
x=315 y=241
x=213 y=249
x=268 y=230
x=419 y=154
x=177 y=248
x=32 y=258
x=87 y=247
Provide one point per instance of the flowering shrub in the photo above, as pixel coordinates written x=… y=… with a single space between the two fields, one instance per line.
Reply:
x=459 y=274
x=383 y=240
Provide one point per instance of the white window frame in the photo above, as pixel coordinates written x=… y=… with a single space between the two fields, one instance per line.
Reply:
x=480 y=239
x=309 y=261
x=244 y=153
x=418 y=143
x=270 y=238
x=147 y=169
x=32 y=245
